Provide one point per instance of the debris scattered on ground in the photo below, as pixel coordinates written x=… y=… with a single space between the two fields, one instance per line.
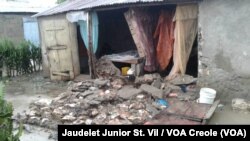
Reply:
x=106 y=69
x=183 y=79
x=128 y=92
x=157 y=93
x=93 y=102
x=105 y=101
x=241 y=105
x=157 y=83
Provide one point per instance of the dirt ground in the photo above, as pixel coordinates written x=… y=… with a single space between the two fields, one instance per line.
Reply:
x=21 y=91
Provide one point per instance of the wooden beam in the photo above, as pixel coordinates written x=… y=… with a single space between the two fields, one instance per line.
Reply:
x=90 y=48
x=212 y=109
x=130 y=61
x=61 y=74
x=210 y=112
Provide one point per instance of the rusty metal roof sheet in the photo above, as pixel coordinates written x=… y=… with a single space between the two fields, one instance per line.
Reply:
x=74 y=5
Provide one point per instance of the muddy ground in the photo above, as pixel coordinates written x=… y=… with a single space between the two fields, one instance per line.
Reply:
x=22 y=91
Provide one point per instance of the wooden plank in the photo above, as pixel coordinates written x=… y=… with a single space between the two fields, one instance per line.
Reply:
x=197 y=110
x=54 y=28
x=65 y=57
x=89 y=19
x=134 y=29
x=45 y=62
x=177 y=107
x=54 y=64
x=49 y=36
x=131 y=61
x=191 y=110
x=212 y=109
x=58 y=47
x=90 y=50
x=74 y=48
x=61 y=74
x=171 y=120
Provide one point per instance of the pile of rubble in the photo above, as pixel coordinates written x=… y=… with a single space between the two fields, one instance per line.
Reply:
x=99 y=101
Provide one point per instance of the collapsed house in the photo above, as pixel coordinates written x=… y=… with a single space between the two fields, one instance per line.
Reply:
x=193 y=37
x=147 y=36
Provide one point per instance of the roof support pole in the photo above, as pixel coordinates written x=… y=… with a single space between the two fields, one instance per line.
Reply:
x=90 y=49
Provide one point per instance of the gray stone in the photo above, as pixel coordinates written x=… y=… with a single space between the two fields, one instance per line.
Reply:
x=241 y=104
x=43 y=102
x=94 y=102
x=156 y=76
x=87 y=93
x=183 y=79
x=128 y=91
x=69 y=118
x=57 y=113
x=88 y=121
x=44 y=122
x=137 y=106
x=93 y=88
x=72 y=105
x=141 y=96
x=61 y=96
x=26 y=127
x=45 y=109
x=152 y=90
x=78 y=122
x=151 y=109
x=100 y=82
x=46 y=115
x=34 y=120
x=53 y=136
x=94 y=112
x=157 y=83
x=32 y=113
x=101 y=116
x=148 y=78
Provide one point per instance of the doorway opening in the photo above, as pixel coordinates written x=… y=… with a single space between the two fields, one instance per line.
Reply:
x=83 y=53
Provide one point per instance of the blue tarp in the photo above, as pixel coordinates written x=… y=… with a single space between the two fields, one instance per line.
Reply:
x=84 y=31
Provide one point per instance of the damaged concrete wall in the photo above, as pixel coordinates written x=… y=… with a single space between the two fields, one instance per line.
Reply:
x=224 y=51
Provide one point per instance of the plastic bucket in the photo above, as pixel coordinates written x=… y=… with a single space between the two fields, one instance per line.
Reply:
x=125 y=70
x=207 y=95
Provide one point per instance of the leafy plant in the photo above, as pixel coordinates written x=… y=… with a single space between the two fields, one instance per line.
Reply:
x=20 y=59
x=6 y=123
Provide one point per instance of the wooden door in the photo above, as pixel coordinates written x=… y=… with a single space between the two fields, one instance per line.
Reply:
x=58 y=49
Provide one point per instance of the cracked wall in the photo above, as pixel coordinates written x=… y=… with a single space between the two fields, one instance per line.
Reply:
x=224 y=52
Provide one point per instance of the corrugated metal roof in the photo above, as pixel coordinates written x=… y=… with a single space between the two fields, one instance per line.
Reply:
x=22 y=6
x=73 y=5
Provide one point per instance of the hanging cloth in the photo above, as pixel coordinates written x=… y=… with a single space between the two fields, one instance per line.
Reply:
x=140 y=24
x=186 y=26
x=84 y=31
x=165 y=34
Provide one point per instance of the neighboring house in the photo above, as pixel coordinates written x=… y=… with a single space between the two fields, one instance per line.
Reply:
x=16 y=23
x=221 y=55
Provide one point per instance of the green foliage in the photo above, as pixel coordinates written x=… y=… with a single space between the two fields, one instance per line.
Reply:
x=6 y=126
x=20 y=59
x=2 y=91
x=60 y=1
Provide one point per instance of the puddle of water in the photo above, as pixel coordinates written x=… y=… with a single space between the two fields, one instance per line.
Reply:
x=23 y=90
x=228 y=116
